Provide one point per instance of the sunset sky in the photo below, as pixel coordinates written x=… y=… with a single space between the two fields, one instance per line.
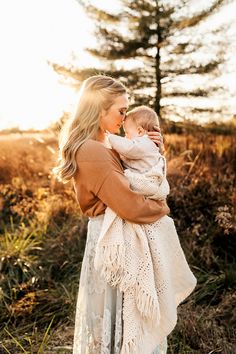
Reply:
x=33 y=32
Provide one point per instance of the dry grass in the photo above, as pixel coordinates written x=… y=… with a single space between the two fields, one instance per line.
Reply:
x=42 y=238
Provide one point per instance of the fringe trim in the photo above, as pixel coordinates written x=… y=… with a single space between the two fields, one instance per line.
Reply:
x=134 y=344
x=130 y=347
x=110 y=261
x=148 y=305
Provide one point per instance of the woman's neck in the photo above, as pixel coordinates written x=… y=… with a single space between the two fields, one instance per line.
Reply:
x=102 y=138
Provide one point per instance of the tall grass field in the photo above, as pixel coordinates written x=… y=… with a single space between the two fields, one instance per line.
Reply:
x=43 y=235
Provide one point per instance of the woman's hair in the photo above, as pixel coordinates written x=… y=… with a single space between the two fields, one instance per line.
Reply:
x=96 y=93
x=144 y=117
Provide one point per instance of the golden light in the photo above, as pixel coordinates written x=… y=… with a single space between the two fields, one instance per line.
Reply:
x=33 y=32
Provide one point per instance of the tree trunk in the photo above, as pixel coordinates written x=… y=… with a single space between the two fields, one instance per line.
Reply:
x=157 y=105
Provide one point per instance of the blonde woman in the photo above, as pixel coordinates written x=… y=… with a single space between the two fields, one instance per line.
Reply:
x=86 y=157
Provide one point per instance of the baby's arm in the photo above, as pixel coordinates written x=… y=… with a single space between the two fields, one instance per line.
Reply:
x=131 y=149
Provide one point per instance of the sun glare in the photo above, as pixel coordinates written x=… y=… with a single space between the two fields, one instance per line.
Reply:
x=32 y=33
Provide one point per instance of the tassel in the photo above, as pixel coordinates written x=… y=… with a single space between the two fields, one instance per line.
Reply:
x=148 y=305
x=110 y=260
x=133 y=345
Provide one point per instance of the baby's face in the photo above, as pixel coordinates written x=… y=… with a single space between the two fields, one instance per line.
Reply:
x=131 y=129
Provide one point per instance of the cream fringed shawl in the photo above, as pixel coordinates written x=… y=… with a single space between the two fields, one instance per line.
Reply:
x=148 y=265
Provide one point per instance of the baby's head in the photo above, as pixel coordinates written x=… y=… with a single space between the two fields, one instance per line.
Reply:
x=139 y=121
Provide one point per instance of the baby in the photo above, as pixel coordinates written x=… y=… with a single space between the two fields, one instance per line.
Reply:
x=141 y=155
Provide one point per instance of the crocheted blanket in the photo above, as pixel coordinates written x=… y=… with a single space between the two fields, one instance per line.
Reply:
x=148 y=265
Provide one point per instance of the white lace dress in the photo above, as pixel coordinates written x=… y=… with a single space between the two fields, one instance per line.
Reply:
x=98 y=320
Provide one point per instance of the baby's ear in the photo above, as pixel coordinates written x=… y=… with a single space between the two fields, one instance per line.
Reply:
x=140 y=130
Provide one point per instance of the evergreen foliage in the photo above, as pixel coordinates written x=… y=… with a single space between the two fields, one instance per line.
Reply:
x=172 y=50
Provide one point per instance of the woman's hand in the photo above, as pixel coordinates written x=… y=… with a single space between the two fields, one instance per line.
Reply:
x=166 y=209
x=157 y=138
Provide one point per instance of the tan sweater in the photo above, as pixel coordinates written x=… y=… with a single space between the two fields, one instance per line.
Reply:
x=100 y=182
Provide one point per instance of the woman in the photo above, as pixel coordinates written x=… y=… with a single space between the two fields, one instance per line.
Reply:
x=99 y=181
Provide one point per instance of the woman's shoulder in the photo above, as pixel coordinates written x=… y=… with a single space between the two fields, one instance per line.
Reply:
x=93 y=150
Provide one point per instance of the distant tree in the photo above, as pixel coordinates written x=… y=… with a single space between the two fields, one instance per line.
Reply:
x=174 y=53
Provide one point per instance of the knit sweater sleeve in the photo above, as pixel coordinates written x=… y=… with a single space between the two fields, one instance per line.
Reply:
x=103 y=175
x=115 y=192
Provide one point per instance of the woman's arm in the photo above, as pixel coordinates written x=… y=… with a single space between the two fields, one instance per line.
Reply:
x=100 y=171
x=115 y=192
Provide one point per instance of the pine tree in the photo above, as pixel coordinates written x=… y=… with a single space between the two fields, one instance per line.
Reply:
x=168 y=45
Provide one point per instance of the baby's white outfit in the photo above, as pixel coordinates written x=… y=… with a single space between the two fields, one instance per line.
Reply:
x=144 y=166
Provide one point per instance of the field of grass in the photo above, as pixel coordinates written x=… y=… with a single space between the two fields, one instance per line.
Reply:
x=42 y=238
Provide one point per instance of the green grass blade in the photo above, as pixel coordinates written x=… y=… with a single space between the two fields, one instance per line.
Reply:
x=6 y=349
x=17 y=343
x=45 y=337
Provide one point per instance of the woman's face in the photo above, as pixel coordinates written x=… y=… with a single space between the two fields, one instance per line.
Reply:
x=112 y=119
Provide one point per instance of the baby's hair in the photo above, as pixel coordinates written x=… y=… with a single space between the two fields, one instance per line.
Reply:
x=144 y=117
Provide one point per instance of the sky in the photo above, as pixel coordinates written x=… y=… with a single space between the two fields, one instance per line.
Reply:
x=35 y=32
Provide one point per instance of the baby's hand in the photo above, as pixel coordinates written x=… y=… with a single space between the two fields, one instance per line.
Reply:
x=157 y=138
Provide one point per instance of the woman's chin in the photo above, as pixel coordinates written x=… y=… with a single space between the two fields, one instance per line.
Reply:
x=115 y=130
